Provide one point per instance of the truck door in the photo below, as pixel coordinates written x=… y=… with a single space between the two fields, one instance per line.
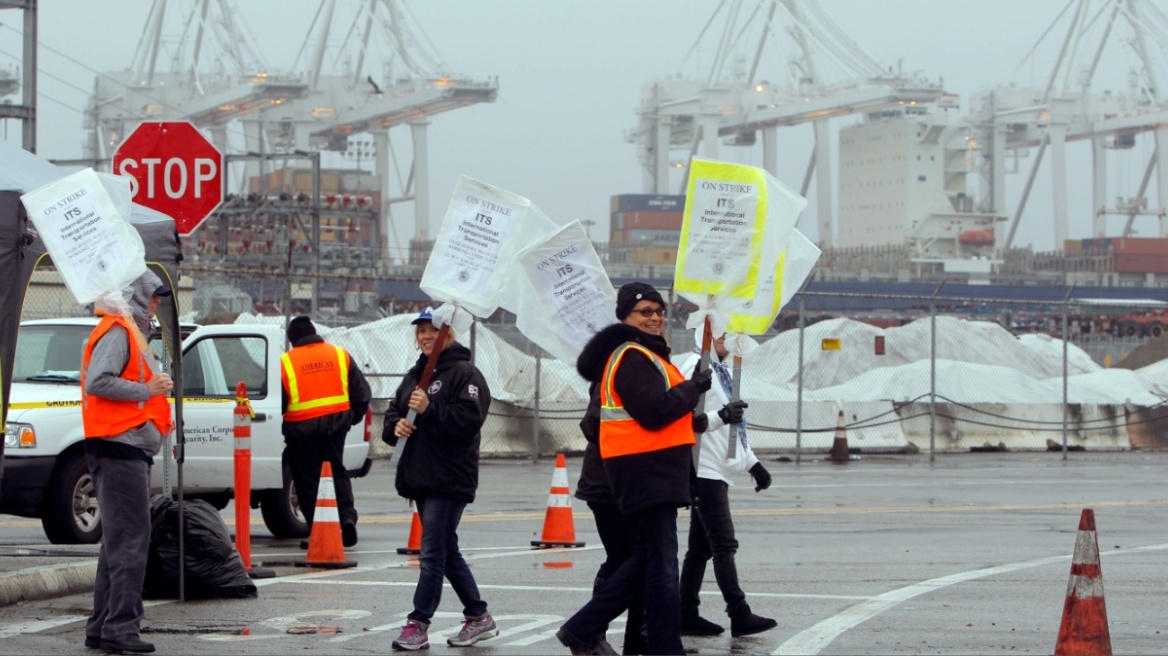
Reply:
x=212 y=365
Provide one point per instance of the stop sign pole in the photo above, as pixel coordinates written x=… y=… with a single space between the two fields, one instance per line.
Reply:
x=174 y=169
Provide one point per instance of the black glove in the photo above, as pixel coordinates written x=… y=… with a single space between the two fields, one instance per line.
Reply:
x=762 y=477
x=700 y=422
x=733 y=412
x=703 y=379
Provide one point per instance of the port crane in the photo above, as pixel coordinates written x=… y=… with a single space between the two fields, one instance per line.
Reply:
x=824 y=74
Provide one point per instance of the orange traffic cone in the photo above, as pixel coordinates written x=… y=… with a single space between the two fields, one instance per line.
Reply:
x=414 y=543
x=839 y=445
x=558 y=529
x=324 y=543
x=1084 y=626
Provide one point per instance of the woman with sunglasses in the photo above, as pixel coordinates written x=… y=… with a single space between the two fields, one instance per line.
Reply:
x=645 y=428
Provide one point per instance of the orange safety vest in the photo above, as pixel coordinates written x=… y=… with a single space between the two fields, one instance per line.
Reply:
x=620 y=434
x=103 y=417
x=316 y=378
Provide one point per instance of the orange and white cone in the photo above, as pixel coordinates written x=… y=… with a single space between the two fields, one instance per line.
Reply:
x=558 y=528
x=1084 y=626
x=414 y=542
x=325 y=548
x=839 y=445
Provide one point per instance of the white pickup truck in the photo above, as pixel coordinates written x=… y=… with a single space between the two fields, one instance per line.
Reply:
x=45 y=474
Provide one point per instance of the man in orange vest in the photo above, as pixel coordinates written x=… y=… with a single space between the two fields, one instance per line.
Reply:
x=125 y=413
x=324 y=393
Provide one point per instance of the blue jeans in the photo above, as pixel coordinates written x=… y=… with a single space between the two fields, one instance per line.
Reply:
x=651 y=569
x=441 y=559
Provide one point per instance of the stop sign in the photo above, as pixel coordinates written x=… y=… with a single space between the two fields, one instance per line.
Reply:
x=173 y=169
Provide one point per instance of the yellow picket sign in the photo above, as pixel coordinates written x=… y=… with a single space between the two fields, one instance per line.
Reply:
x=722 y=230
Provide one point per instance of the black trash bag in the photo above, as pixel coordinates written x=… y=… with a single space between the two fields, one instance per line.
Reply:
x=214 y=568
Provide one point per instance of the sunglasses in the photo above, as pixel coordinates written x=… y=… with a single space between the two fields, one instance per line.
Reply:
x=648 y=312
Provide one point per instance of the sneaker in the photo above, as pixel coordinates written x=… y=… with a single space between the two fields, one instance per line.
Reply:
x=413 y=636
x=349 y=534
x=473 y=630
x=696 y=625
x=125 y=644
x=750 y=625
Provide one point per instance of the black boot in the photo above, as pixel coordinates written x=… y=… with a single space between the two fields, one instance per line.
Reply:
x=749 y=624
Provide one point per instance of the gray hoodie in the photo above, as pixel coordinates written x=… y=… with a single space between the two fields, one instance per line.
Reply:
x=110 y=356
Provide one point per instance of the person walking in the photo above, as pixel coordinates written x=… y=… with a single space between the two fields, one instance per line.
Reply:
x=439 y=471
x=324 y=394
x=125 y=415
x=646 y=435
x=615 y=532
x=711 y=528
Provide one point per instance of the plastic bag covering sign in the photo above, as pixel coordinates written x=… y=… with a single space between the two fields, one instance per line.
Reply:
x=795 y=263
x=473 y=241
x=722 y=228
x=565 y=295
x=93 y=246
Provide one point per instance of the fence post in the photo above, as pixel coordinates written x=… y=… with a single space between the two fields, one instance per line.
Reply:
x=799 y=388
x=1066 y=340
x=933 y=373
x=535 y=410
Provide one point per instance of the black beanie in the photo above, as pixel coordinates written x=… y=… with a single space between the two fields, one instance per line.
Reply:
x=629 y=295
x=299 y=328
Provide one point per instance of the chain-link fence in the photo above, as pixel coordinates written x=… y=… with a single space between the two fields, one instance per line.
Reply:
x=910 y=374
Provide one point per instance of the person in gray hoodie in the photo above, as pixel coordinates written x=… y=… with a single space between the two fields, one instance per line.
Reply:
x=126 y=414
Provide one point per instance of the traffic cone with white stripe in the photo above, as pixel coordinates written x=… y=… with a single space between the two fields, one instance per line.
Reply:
x=558 y=528
x=414 y=542
x=325 y=548
x=1084 y=626
x=839 y=445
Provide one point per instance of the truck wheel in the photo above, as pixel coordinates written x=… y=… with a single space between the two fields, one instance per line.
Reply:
x=70 y=514
x=281 y=511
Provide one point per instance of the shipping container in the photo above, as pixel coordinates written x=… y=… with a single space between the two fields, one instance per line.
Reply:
x=649 y=220
x=1141 y=263
x=653 y=255
x=647 y=203
x=1136 y=245
x=647 y=237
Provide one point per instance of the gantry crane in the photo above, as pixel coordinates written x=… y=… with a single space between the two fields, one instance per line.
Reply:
x=826 y=75
x=1013 y=120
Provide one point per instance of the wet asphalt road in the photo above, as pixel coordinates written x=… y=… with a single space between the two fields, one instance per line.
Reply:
x=879 y=556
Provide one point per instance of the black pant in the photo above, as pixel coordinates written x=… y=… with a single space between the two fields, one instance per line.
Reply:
x=652 y=569
x=711 y=534
x=303 y=457
x=616 y=534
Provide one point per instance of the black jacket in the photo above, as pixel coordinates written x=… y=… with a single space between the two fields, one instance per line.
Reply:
x=645 y=479
x=338 y=422
x=441 y=458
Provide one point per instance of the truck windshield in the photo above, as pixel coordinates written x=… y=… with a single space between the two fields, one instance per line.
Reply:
x=50 y=354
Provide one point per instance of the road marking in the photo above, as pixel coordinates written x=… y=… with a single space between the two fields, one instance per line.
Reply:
x=814 y=639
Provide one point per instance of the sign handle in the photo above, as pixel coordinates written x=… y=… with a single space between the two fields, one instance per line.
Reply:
x=735 y=394
x=703 y=364
x=431 y=362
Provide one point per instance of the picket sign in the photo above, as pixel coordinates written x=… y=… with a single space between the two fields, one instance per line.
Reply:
x=82 y=219
x=563 y=292
x=740 y=257
x=483 y=229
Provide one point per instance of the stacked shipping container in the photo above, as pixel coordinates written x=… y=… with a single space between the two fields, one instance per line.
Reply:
x=645 y=228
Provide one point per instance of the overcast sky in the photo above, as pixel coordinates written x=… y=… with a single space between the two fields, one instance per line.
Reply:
x=570 y=77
